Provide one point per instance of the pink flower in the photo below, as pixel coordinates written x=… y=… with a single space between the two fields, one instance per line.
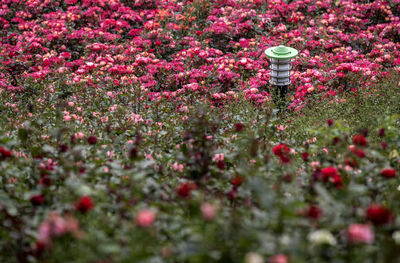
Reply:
x=145 y=218
x=67 y=117
x=218 y=157
x=360 y=234
x=280 y=258
x=178 y=167
x=281 y=127
x=208 y=211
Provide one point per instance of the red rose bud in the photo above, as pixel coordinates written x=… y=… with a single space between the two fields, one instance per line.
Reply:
x=133 y=153
x=239 y=127
x=314 y=212
x=232 y=193
x=237 y=181
x=84 y=204
x=37 y=199
x=360 y=153
x=46 y=181
x=379 y=215
x=287 y=178
x=381 y=132
x=360 y=140
x=364 y=132
x=221 y=164
x=337 y=181
x=329 y=122
x=63 y=148
x=138 y=139
x=92 y=140
x=388 y=173
x=335 y=140
x=305 y=156
x=384 y=145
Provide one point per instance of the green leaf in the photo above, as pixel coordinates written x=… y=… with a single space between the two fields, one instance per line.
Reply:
x=23 y=135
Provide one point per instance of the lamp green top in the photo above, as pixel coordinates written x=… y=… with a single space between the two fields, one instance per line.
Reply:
x=281 y=52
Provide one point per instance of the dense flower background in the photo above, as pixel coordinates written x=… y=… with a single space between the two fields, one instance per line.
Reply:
x=143 y=131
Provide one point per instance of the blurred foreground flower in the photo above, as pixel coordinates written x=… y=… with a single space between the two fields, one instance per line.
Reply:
x=84 y=204
x=145 y=218
x=320 y=237
x=360 y=234
x=396 y=237
x=5 y=153
x=379 y=215
x=280 y=258
x=55 y=225
x=208 y=211
x=388 y=173
x=282 y=151
x=253 y=257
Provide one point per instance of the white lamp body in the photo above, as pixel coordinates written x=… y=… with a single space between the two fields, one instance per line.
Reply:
x=280 y=72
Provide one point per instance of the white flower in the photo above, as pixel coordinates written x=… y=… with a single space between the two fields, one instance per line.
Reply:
x=320 y=237
x=253 y=257
x=396 y=237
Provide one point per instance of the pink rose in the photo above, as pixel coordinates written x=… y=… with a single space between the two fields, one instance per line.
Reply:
x=359 y=233
x=280 y=258
x=208 y=211
x=145 y=218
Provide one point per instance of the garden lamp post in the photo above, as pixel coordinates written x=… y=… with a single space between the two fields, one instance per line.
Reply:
x=280 y=57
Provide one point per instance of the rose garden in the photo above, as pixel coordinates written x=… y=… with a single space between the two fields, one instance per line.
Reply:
x=149 y=131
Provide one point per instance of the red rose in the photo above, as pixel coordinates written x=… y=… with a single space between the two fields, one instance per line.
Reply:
x=329 y=122
x=287 y=178
x=282 y=151
x=304 y=156
x=314 y=212
x=37 y=199
x=388 y=173
x=239 y=127
x=328 y=172
x=379 y=215
x=84 y=204
x=360 y=140
x=332 y=175
x=221 y=164
x=46 y=181
x=237 y=180
x=5 y=153
x=337 y=181
x=360 y=153
x=92 y=139
x=184 y=189
x=381 y=132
